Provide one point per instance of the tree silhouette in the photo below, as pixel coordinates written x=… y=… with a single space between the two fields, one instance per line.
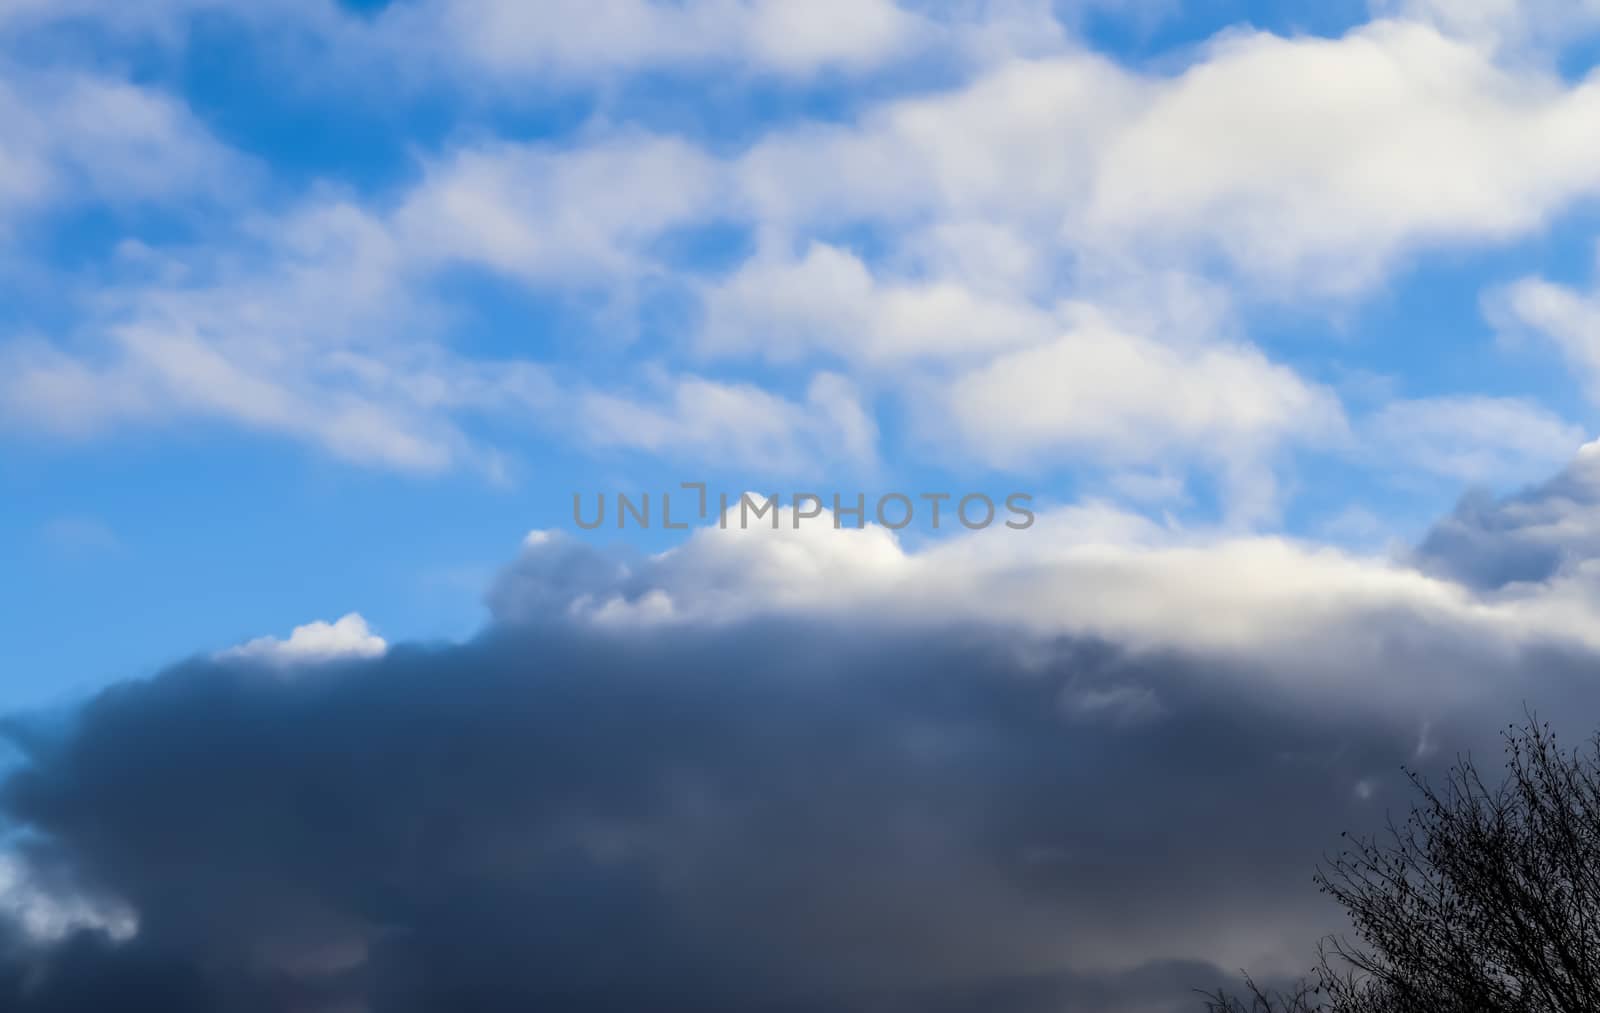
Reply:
x=1485 y=899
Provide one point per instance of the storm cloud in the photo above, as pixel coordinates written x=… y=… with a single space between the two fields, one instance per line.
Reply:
x=772 y=817
x=634 y=790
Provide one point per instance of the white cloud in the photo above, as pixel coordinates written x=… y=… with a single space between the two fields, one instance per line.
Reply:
x=1564 y=316
x=506 y=44
x=1015 y=146
x=829 y=301
x=1306 y=160
x=307 y=325
x=50 y=912
x=1125 y=399
x=736 y=424
x=1128 y=396
x=1003 y=213
x=1337 y=620
x=1320 y=161
x=75 y=137
x=1309 y=163
x=1150 y=486
x=1475 y=439
x=320 y=323
x=558 y=214
x=558 y=38
x=314 y=642
x=1516 y=25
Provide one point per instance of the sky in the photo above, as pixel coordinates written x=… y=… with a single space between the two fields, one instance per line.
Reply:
x=317 y=316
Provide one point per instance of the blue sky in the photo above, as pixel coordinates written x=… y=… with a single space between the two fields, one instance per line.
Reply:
x=315 y=309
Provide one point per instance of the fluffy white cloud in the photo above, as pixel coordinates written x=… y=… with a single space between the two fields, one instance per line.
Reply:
x=1307 y=162
x=1319 y=161
x=1263 y=605
x=1100 y=392
x=1040 y=273
x=314 y=642
x=1314 y=160
x=1310 y=165
x=827 y=300
x=1101 y=388
x=1017 y=145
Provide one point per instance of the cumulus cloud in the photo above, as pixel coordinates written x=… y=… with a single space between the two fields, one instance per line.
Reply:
x=1358 y=149
x=1058 y=173
x=1004 y=206
x=1309 y=163
x=1259 y=606
x=1309 y=180
x=317 y=641
x=1101 y=392
x=827 y=300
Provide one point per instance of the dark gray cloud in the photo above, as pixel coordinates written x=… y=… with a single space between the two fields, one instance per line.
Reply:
x=767 y=816
x=586 y=809
x=1489 y=542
